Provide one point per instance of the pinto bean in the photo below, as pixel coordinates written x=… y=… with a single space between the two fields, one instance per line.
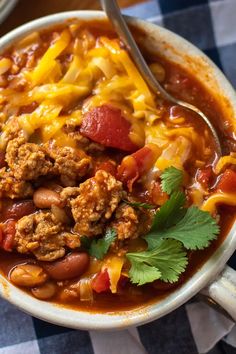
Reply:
x=45 y=198
x=28 y=275
x=45 y=291
x=18 y=210
x=71 y=266
x=60 y=214
x=52 y=185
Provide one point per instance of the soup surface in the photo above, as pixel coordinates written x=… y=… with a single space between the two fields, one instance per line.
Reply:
x=111 y=197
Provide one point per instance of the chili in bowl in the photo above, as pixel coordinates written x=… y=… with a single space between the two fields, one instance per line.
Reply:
x=112 y=200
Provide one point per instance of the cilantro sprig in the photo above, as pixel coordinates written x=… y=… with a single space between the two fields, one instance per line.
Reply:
x=195 y=230
x=191 y=226
x=170 y=212
x=171 y=179
x=166 y=261
x=175 y=228
x=99 y=248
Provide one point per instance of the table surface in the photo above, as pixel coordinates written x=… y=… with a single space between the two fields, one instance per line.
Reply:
x=27 y=10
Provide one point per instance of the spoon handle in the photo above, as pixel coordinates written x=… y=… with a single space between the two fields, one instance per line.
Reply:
x=112 y=10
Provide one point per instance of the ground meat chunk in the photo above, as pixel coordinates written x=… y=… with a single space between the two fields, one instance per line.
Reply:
x=99 y=197
x=126 y=222
x=42 y=235
x=69 y=193
x=12 y=188
x=27 y=161
x=11 y=131
x=71 y=164
x=83 y=142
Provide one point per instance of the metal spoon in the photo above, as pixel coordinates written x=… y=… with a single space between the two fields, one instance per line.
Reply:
x=113 y=13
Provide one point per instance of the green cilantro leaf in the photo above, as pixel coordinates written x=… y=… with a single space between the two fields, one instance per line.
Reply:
x=195 y=230
x=170 y=212
x=141 y=273
x=171 y=179
x=100 y=247
x=174 y=227
x=140 y=205
x=166 y=262
x=85 y=242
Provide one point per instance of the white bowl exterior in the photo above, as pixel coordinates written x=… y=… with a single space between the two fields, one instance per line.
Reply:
x=173 y=47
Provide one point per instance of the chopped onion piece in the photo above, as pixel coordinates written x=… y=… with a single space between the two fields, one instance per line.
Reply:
x=85 y=289
x=105 y=66
x=175 y=154
x=73 y=72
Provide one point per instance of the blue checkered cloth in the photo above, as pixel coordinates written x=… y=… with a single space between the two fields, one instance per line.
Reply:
x=211 y=26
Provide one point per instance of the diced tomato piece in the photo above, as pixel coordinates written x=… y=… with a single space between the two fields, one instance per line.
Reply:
x=9 y=231
x=157 y=196
x=128 y=172
x=107 y=126
x=108 y=166
x=204 y=176
x=8 y=242
x=2 y=159
x=146 y=157
x=227 y=182
x=134 y=166
x=19 y=209
x=101 y=282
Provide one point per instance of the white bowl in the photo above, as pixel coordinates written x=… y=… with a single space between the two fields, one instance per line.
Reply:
x=179 y=50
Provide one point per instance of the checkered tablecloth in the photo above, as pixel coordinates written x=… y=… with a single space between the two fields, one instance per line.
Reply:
x=210 y=25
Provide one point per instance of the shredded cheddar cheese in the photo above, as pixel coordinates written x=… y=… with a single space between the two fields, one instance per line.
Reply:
x=78 y=72
x=224 y=161
x=211 y=203
x=114 y=265
x=47 y=62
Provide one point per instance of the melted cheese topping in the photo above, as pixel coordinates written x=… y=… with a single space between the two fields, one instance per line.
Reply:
x=98 y=69
x=77 y=66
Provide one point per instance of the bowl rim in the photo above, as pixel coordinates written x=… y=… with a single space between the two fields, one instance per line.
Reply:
x=77 y=319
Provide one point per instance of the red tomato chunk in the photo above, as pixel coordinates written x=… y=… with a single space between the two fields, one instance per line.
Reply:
x=8 y=234
x=227 y=183
x=134 y=166
x=101 y=282
x=108 y=166
x=105 y=125
x=204 y=176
